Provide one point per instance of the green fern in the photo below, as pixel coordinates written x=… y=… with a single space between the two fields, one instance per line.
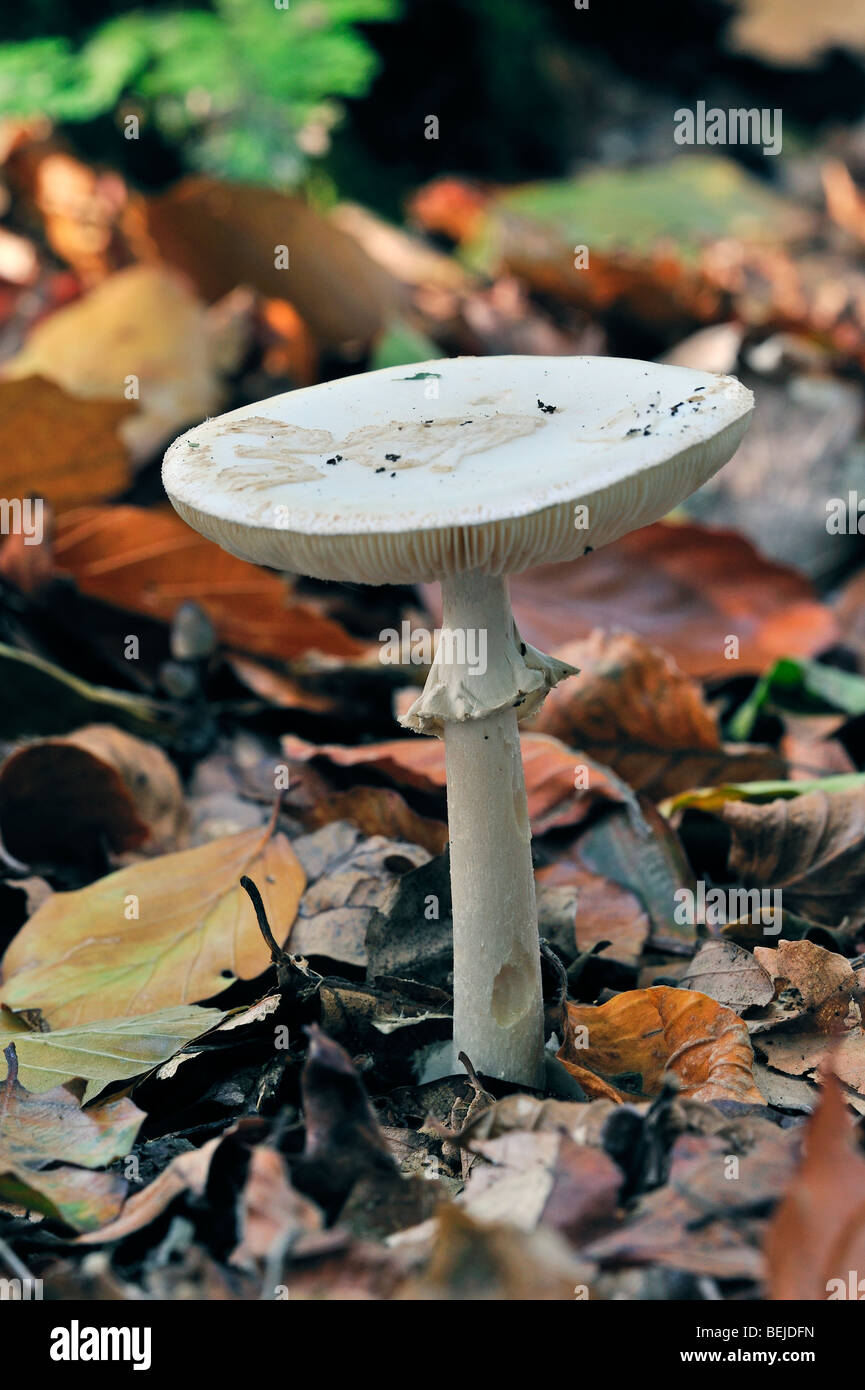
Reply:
x=249 y=88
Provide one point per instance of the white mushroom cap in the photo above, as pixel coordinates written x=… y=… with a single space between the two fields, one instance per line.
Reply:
x=472 y=463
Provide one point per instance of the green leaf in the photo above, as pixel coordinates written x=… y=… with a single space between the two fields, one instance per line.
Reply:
x=711 y=798
x=807 y=687
x=400 y=345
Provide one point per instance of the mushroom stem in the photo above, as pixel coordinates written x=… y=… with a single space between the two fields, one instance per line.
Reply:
x=498 y=1008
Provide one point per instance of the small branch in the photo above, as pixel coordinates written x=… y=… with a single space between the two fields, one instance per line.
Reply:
x=277 y=954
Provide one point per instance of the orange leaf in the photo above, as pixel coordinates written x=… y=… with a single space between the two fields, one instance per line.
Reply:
x=817 y=1234
x=622 y=1049
x=53 y=446
x=151 y=562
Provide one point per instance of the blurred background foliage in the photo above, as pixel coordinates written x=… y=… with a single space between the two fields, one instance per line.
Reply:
x=521 y=88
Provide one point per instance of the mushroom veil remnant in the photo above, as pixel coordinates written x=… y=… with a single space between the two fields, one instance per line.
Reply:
x=465 y=471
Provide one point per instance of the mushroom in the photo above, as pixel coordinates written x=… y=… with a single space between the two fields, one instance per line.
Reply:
x=464 y=471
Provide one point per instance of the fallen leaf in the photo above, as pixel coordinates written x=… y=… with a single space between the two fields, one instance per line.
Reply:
x=476 y=1261
x=61 y=800
x=730 y=975
x=271 y=1215
x=378 y=811
x=222 y=235
x=142 y=329
x=59 y=448
x=632 y=709
x=549 y=768
x=188 y=1172
x=343 y=1140
x=817 y=1235
x=113 y=1049
x=812 y=848
x=605 y=910
x=686 y=589
x=351 y=879
x=151 y=562
x=622 y=1049
x=544 y=1179
x=812 y=980
x=52 y=1129
x=160 y=933
x=636 y=849
x=700 y=1220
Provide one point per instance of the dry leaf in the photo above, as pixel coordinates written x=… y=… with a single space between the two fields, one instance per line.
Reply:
x=817 y=1235
x=623 y=1049
x=53 y=446
x=114 y=1049
x=188 y=1172
x=378 y=811
x=64 y=799
x=52 y=1129
x=730 y=975
x=222 y=235
x=549 y=767
x=686 y=589
x=151 y=562
x=271 y=1215
x=811 y=847
x=163 y=932
x=808 y=979
x=632 y=709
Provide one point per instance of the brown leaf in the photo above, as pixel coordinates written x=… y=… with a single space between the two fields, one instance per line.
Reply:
x=63 y=799
x=684 y=588
x=54 y=446
x=817 y=1235
x=151 y=562
x=605 y=910
x=545 y=1179
x=271 y=1215
x=700 y=1220
x=811 y=847
x=622 y=1049
x=730 y=975
x=222 y=235
x=634 y=710
x=378 y=811
x=549 y=768
x=471 y=1260
x=810 y=980
x=636 y=848
x=353 y=876
x=37 y=1132
x=188 y=1172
